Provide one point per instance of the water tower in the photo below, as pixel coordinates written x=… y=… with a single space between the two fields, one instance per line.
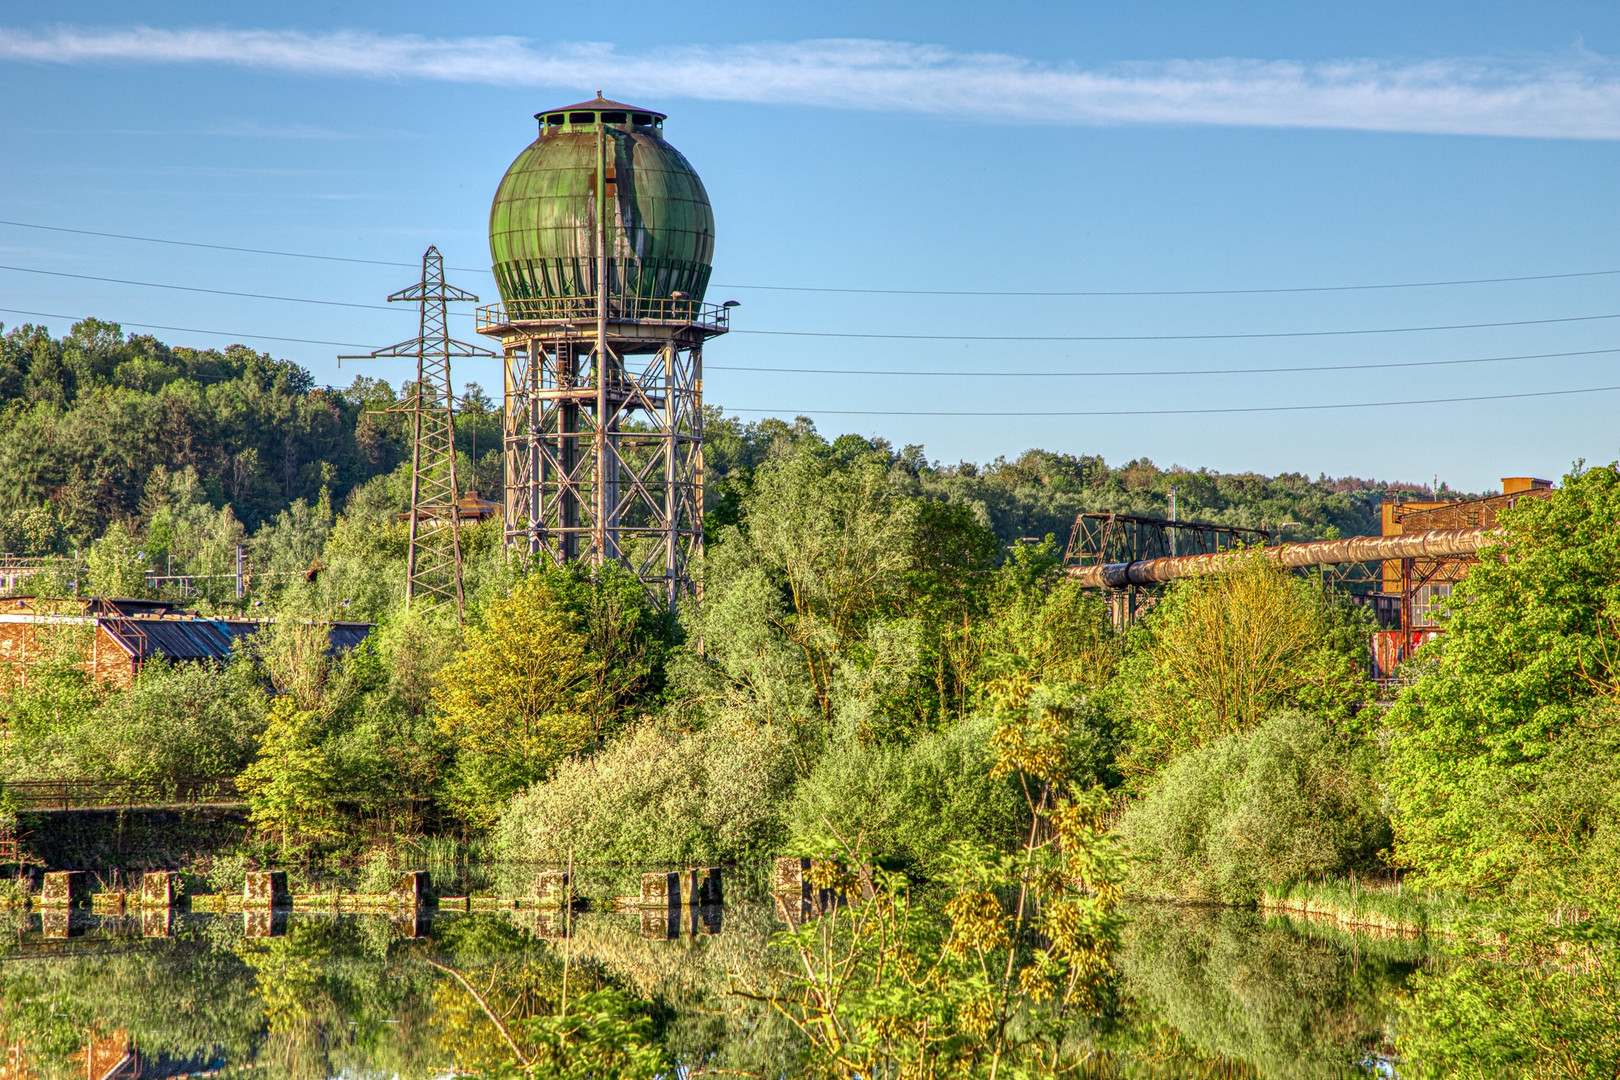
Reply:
x=602 y=240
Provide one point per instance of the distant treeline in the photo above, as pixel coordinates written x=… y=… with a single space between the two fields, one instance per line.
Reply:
x=90 y=418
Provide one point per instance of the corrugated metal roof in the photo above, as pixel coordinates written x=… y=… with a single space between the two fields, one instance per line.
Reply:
x=207 y=639
x=176 y=639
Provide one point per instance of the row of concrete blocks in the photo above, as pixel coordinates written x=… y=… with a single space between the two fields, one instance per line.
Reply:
x=412 y=890
x=159 y=888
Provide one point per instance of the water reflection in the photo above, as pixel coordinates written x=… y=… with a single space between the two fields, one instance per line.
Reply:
x=1285 y=999
x=1210 y=992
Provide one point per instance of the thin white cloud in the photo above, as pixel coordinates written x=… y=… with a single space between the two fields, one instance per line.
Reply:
x=1576 y=98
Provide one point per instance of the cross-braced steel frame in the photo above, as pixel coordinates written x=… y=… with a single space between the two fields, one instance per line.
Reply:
x=604 y=433
x=604 y=416
x=433 y=563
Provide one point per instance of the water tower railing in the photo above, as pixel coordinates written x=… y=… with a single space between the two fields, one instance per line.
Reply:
x=575 y=309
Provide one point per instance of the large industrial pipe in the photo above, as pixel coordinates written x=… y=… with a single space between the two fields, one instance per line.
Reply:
x=1436 y=543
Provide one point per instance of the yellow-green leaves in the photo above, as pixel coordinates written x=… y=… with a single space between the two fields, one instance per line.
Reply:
x=1221 y=653
x=289 y=785
x=518 y=691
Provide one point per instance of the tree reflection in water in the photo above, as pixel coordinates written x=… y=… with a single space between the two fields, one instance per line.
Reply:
x=1213 y=993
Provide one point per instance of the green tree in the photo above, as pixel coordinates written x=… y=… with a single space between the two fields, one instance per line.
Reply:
x=289 y=786
x=546 y=672
x=1505 y=769
x=1025 y=960
x=1220 y=653
x=1539 y=1002
x=116 y=565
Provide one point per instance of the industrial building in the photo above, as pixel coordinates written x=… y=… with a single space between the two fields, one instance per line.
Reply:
x=122 y=635
x=1404 y=575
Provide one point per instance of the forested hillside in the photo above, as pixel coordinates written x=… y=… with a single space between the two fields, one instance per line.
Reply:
x=100 y=429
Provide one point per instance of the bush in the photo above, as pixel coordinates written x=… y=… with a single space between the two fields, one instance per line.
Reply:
x=910 y=802
x=657 y=796
x=1266 y=808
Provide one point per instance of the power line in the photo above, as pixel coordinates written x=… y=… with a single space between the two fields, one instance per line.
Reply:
x=1187 y=371
x=883 y=337
x=1167 y=337
x=196 y=289
x=876 y=292
x=980 y=412
x=854 y=371
x=190 y=329
x=228 y=247
x=1173 y=292
x=1189 y=412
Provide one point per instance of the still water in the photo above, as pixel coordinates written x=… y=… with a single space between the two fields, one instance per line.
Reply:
x=1210 y=992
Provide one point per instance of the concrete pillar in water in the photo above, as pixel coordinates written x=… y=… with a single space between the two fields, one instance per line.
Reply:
x=411 y=890
x=551 y=888
x=266 y=888
x=158 y=888
x=65 y=888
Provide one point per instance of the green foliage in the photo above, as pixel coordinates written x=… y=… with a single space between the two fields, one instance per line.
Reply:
x=95 y=415
x=1261 y=997
x=546 y=672
x=804 y=615
x=911 y=801
x=1505 y=765
x=176 y=720
x=116 y=565
x=887 y=990
x=290 y=784
x=1545 y=1003
x=658 y=796
x=34 y=531
x=45 y=711
x=1265 y=808
x=1221 y=652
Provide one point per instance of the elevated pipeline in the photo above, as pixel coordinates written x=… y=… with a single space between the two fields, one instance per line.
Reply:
x=1433 y=544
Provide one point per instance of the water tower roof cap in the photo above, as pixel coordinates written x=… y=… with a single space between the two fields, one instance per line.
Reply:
x=600 y=103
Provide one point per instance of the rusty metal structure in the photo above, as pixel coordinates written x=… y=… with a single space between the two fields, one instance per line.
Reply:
x=602 y=239
x=433 y=564
x=1432 y=544
x=1426 y=547
x=1101 y=539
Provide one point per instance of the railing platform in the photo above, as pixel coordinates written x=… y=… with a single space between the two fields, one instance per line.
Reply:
x=173 y=794
x=573 y=310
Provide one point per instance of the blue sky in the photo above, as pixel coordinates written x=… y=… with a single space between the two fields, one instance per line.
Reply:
x=967 y=148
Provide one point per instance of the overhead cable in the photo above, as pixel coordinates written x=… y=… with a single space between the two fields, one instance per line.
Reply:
x=878 y=292
x=897 y=372
x=190 y=329
x=883 y=337
x=229 y=247
x=1167 y=337
x=1170 y=292
x=196 y=289
x=1182 y=412
x=1181 y=371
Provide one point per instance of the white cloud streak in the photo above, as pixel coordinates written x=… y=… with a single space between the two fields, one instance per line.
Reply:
x=1577 y=98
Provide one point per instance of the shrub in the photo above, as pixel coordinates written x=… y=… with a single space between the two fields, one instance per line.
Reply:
x=1273 y=806
x=1221 y=652
x=910 y=802
x=657 y=796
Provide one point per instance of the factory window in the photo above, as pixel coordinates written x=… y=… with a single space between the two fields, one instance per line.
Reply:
x=582 y=118
x=643 y=119
x=613 y=118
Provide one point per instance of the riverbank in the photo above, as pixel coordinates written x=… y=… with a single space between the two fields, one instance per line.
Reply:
x=1382 y=908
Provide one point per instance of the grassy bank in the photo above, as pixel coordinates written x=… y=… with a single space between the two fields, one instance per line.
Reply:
x=1389 y=908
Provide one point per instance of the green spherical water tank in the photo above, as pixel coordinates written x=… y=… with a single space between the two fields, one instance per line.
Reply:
x=542 y=225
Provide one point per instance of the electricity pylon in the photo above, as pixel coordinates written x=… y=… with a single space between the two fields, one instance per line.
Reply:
x=433 y=565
